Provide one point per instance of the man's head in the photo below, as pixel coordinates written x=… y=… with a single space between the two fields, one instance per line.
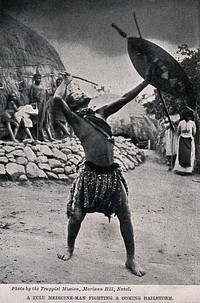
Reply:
x=58 y=81
x=37 y=78
x=76 y=101
x=12 y=96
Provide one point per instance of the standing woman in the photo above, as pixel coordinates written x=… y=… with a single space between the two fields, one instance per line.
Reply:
x=186 y=146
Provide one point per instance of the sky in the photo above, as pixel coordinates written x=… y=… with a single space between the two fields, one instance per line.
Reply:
x=81 y=32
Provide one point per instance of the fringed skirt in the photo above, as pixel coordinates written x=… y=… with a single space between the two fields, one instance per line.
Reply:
x=96 y=189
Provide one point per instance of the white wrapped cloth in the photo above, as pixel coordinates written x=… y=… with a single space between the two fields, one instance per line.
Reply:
x=24 y=112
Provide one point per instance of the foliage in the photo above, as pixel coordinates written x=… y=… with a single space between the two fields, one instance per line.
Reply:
x=190 y=62
x=191 y=65
x=174 y=105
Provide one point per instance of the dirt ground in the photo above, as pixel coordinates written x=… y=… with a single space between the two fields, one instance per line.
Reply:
x=166 y=216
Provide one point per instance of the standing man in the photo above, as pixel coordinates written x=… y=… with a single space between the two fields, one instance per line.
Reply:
x=171 y=138
x=59 y=118
x=100 y=186
x=37 y=97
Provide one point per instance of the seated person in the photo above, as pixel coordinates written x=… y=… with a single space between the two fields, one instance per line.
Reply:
x=15 y=115
x=23 y=117
x=9 y=115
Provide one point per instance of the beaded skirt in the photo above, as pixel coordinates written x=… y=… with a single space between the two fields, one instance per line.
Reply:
x=96 y=189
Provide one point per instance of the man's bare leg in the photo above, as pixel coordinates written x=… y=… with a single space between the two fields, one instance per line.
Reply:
x=16 y=129
x=49 y=134
x=63 y=128
x=11 y=131
x=41 y=135
x=127 y=233
x=74 y=226
x=27 y=130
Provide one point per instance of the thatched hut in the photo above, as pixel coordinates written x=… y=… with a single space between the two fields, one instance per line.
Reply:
x=23 y=52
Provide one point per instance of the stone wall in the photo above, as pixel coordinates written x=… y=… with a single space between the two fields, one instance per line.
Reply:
x=56 y=161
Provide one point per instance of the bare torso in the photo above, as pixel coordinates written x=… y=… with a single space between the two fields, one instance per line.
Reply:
x=98 y=149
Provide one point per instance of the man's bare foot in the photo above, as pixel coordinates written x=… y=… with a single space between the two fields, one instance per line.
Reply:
x=66 y=256
x=135 y=268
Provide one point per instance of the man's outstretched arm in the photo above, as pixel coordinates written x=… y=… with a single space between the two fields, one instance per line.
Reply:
x=112 y=108
x=117 y=105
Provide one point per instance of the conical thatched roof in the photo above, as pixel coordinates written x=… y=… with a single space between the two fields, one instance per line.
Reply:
x=131 y=121
x=22 y=46
x=23 y=52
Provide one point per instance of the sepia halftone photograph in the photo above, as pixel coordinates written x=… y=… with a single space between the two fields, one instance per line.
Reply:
x=99 y=151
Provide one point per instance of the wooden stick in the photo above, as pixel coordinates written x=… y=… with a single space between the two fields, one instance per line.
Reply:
x=134 y=15
x=123 y=34
x=166 y=111
x=83 y=79
x=75 y=77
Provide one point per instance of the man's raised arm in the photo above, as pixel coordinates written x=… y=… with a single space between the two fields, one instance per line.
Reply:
x=58 y=99
x=60 y=90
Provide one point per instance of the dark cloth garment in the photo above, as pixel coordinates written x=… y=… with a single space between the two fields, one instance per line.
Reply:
x=89 y=115
x=47 y=113
x=37 y=95
x=96 y=189
x=57 y=113
x=184 y=152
